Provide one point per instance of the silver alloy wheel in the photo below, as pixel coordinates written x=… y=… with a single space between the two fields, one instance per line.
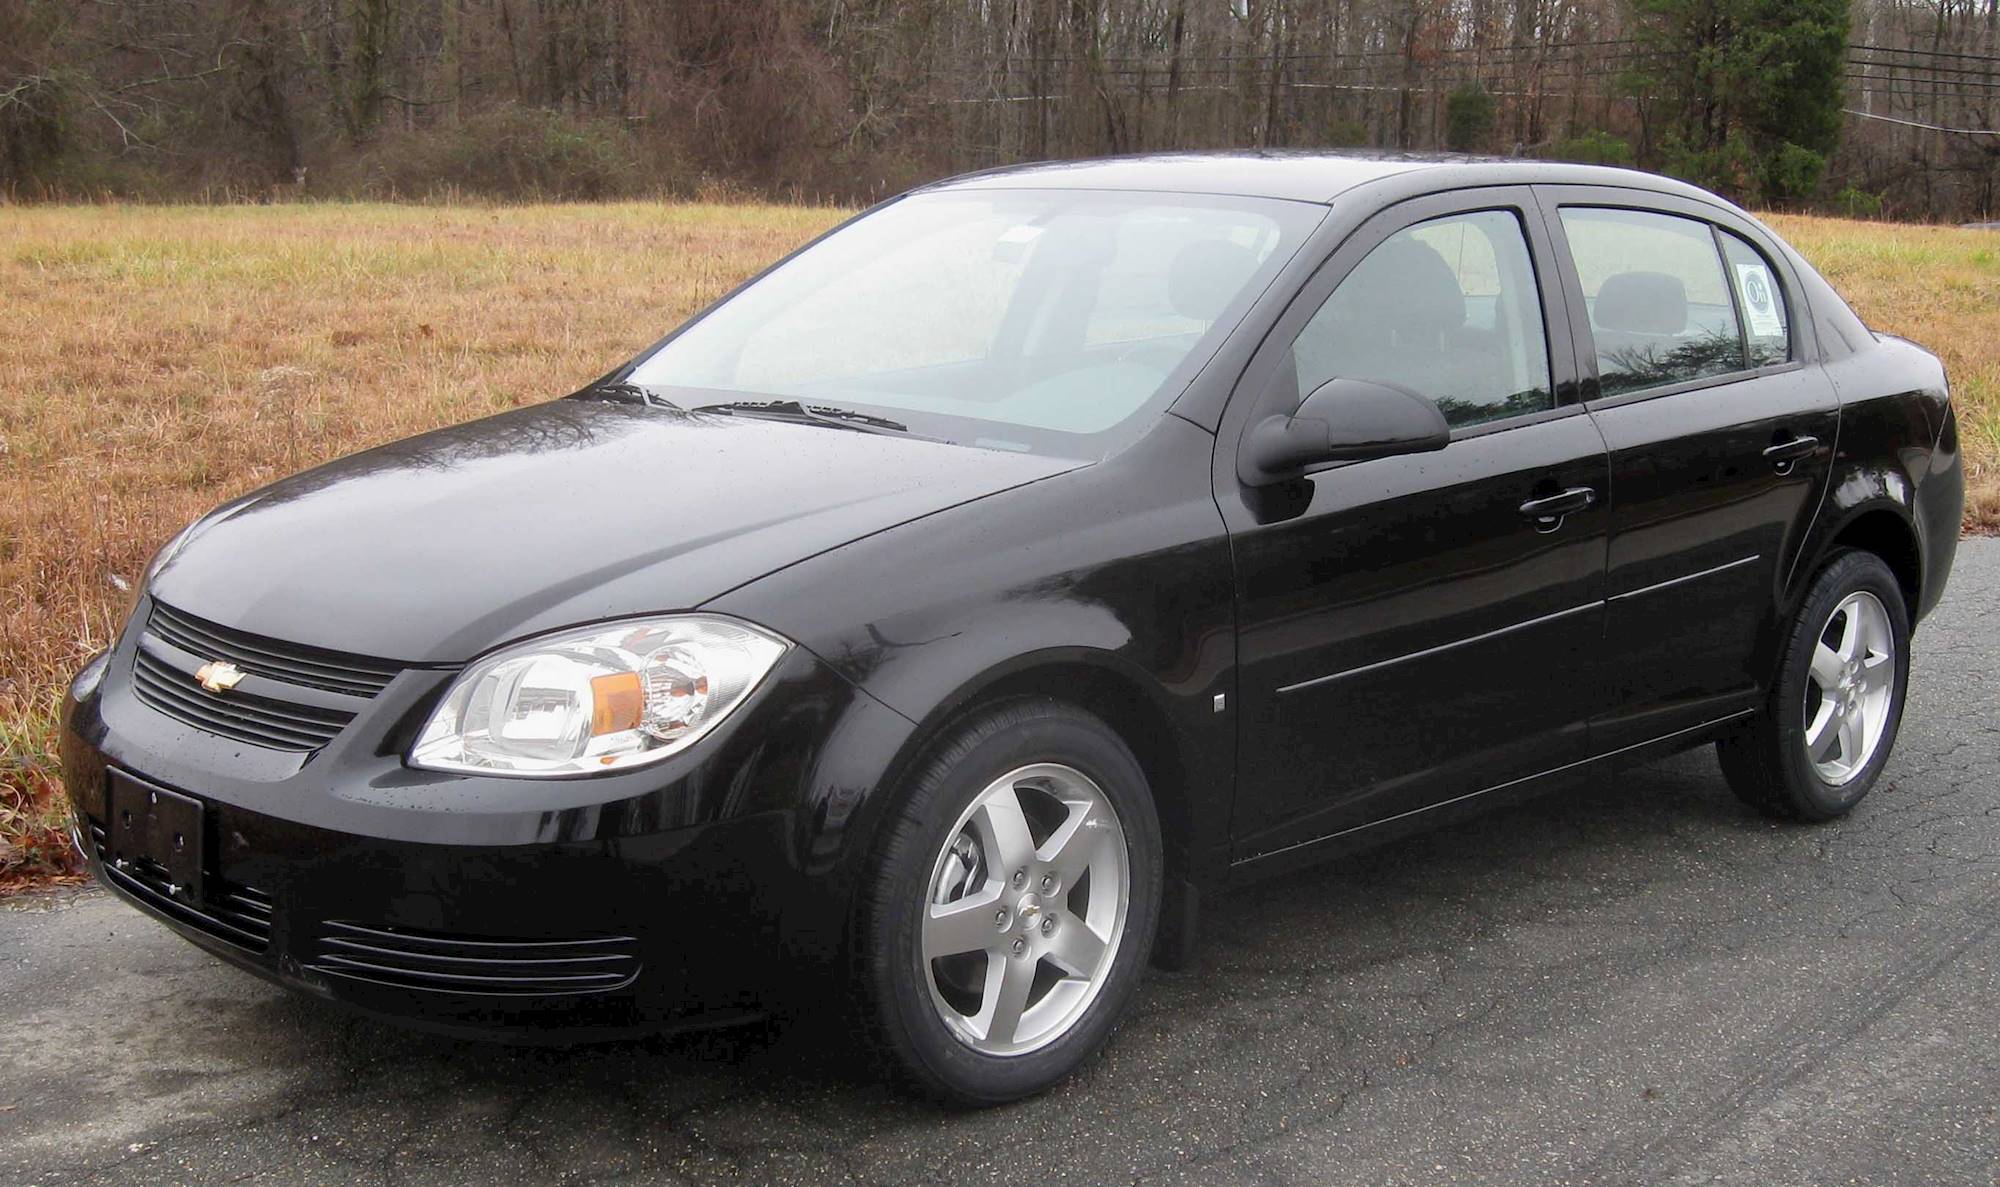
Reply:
x=1026 y=907
x=1850 y=688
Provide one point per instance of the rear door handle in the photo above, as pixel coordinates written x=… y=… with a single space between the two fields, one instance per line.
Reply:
x=1548 y=511
x=1784 y=453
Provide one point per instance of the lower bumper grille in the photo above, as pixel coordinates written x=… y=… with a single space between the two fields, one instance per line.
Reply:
x=475 y=965
x=232 y=913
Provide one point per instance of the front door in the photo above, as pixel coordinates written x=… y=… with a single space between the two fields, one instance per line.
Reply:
x=1720 y=436
x=1421 y=628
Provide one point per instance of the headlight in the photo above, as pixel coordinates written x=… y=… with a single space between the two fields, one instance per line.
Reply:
x=602 y=698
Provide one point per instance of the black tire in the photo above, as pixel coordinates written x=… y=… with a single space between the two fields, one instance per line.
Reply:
x=901 y=1021
x=1765 y=760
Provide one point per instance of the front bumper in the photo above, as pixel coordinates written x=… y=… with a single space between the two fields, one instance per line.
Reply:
x=691 y=893
x=562 y=941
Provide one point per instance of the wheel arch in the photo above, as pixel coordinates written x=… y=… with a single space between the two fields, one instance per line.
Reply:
x=1893 y=538
x=1882 y=526
x=1098 y=682
x=1103 y=684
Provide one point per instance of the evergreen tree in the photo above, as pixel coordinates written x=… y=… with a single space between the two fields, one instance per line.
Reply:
x=1749 y=91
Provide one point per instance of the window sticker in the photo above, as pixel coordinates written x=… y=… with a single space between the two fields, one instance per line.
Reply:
x=1760 y=300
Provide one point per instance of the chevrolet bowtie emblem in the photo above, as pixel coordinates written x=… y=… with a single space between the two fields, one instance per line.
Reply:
x=218 y=675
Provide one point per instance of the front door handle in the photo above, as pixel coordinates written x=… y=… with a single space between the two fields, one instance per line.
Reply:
x=1548 y=511
x=1784 y=453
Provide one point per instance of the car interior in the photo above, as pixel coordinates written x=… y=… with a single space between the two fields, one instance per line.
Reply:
x=1655 y=293
x=1404 y=316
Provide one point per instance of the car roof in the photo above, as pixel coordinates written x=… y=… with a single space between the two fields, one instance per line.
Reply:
x=1302 y=176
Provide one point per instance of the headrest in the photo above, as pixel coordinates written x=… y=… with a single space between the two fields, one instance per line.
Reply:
x=1406 y=287
x=1641 y=303
x=1206 y=275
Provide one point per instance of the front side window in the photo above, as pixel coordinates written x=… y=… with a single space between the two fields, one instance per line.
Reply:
x=1044 y=320
x=1447 y=308
x=1660 y=307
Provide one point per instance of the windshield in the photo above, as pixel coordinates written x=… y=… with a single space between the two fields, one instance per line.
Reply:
x=1047 y=320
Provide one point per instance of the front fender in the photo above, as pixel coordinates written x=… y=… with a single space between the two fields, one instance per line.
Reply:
x=1120 y=568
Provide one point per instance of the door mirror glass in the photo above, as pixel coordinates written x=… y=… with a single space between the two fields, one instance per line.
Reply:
x=1345 y=420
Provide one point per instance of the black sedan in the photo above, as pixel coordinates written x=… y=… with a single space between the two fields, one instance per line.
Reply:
x=923 y=631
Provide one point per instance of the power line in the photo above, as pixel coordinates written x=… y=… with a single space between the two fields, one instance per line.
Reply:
x=1915 y=52
x=1991 y=70
x=1890 y=119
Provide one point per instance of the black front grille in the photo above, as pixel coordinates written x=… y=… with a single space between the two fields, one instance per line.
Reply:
x=231 y=912
x=242 y=716
x=308 y=667
x=296 y=698
x=474 y=964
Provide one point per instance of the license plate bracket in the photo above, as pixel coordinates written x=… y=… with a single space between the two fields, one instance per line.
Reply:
x=164 y=828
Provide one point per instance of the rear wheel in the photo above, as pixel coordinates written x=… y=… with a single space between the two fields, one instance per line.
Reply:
x=1013 y=904
x=1825 y=734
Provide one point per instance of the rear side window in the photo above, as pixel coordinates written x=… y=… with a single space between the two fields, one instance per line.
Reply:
x=1447 y=308
x=1766 y=327
x=1660 y=306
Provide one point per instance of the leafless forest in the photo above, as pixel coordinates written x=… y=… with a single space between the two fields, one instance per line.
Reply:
x=1881 y=106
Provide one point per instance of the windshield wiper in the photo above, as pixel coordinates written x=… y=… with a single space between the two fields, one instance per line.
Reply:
x=821 y=414
x=631 y=392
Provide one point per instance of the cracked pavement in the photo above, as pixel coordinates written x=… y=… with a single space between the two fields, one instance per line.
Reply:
x=1632 y=980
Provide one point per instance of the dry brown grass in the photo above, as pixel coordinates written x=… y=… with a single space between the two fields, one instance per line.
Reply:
x=156 y=361
x=1938 y=286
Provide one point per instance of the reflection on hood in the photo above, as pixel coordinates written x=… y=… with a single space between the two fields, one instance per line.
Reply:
x=436 y=548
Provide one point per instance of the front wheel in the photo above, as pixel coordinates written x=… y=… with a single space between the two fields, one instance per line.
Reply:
x=1825 y=734
x=1012 y=904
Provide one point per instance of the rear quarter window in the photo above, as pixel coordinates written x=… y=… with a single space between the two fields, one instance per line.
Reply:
x=1766 y=322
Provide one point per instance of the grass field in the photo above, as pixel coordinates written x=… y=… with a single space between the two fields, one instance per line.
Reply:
x=156 y=361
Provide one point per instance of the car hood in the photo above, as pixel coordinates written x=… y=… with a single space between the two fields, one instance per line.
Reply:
x=433 y=549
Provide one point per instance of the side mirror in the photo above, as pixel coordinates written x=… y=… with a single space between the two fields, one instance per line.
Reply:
x=1343 y=420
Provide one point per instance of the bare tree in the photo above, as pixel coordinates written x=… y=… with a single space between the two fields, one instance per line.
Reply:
x=850 y=98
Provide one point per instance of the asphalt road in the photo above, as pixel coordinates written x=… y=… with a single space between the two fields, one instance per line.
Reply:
x=1634 y=981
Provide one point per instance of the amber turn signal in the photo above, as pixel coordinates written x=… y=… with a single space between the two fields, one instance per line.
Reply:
x=617 y=702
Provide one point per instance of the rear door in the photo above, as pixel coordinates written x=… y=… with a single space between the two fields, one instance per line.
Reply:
x=1411 y=630
x=1693 y=348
